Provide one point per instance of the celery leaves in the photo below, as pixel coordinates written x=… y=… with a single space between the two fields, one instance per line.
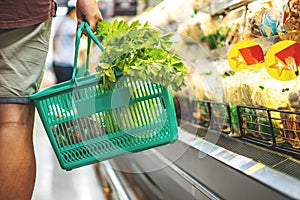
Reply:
x=141 y=51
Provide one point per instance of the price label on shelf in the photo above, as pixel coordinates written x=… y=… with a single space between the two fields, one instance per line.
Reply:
x=283 y=60
x=254 y=168
x=246 y=54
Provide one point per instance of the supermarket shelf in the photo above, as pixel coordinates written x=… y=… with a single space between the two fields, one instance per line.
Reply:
x=145 y=185
x=196 y=166
x=114 y=185
x=275 y=160
x=220 y=7
x=251 y=168
x=273 y=129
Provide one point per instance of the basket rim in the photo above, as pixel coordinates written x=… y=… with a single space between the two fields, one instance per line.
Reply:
x=60 y=87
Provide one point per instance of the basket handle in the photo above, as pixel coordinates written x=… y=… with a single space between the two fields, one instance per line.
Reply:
x=91 y=36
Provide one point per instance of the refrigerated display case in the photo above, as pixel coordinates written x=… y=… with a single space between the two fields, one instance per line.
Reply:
x=229 y=169
x=224 y=150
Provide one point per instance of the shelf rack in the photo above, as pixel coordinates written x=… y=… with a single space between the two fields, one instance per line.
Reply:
x=220 y=7
x=278 y=130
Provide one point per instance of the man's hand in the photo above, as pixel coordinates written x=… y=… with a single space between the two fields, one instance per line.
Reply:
x=87 y=10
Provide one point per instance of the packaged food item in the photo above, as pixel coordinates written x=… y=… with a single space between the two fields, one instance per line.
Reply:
x=232 y=25
x=254 y=17
x=215 y=40
x=201 y=4
x=291 y=129
x=233 y=34
x=269 y=21
x=237 y=90
x=294 y=103
x=265 y=19
x=265 y=129
x=269 y=94
x=252 y=29
x=295 y=36
x=198 y=27
x=249 y=121
x=191 y=31
x=291 y=18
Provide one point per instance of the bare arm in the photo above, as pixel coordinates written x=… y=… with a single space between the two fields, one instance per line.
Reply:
x=87 y=10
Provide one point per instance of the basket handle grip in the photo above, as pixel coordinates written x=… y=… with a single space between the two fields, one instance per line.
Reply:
x=91 y=36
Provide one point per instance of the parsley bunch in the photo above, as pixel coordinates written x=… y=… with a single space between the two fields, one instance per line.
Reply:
x=139 y=50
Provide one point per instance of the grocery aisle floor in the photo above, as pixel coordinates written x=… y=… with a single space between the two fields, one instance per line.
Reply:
x=54 y=183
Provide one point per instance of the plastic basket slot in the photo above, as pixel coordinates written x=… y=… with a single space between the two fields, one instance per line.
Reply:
x=137 y=131
x=134 y=115
x=61 y=114
x=70 y=156
x=111 y=122
x=79 y=137
x=102 y=102
x=106 y=149
x=90 y=151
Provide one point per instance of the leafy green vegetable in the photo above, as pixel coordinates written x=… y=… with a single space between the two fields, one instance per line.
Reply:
x=139 y=50
x=266 y=130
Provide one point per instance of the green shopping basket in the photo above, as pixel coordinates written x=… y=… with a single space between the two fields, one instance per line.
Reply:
x=88 y=123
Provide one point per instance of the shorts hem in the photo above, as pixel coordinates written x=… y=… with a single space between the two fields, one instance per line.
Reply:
x=14 y=100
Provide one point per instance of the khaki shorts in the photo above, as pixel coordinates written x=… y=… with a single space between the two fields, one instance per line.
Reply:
x=23 y=53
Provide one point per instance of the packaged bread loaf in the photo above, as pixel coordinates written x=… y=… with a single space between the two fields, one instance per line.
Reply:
x=291 y=19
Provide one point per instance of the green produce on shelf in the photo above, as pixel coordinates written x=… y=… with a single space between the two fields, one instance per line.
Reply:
x=220 y=117
x=201 y=113
x=235 y=122
x=265 y=130
x=249 y=123
x=214 y=41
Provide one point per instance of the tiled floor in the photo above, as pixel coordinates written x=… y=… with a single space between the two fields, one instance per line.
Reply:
x=53 y=183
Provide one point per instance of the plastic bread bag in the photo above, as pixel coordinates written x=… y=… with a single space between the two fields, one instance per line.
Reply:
x=294 y=104
x=195 y=85
x=238 y=89
x=213 y=86
x=291 y=17
x=289 y=27
x=167 y=13
x=294 y=97
x=200 y=4
x=269 y=92
x=252 y=29
x=253 y=19
x=203 y=82
x=233 y=86
x=197 y=26
x=270 y=21
x=179 y=11
x=232 y=25
x=195 y=90
x=191 y=31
